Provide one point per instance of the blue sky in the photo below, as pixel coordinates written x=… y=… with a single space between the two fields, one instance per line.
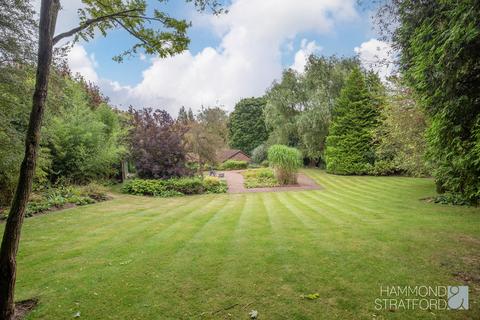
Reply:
x=232 y=56
x=342 y=41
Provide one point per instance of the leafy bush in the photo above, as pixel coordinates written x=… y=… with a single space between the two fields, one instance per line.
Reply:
x=260 y=154
x=233 y=165
x=156 y=144
x=285 y=161
x=84 y=144
x=259 y=178
x=452 y=198
x=174 y=187
x=60 y=196
x=94 y=191
x=265 y=163
x=214 y=185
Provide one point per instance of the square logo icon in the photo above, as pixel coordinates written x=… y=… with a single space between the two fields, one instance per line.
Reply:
x=457 y=297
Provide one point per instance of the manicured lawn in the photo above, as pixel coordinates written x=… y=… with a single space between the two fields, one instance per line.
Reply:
x=147 y=258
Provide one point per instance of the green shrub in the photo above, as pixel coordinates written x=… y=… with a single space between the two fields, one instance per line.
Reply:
x=260 y=154
x=60 y=196
x=453 y=198
x=259 y=178
x=384 y=168
x=265 y=163
x=211 y=181
x=174 y=186
x=233 y=165
x=214 y=185
x=185 y=185
x=94 y=191
x=285 y=161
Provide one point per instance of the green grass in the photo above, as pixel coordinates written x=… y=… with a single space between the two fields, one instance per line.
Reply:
x=150 y=258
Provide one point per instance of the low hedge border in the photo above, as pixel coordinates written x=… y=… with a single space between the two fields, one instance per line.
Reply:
x=174 y=187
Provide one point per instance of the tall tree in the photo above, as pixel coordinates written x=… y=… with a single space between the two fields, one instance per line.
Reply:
x=246 y=125
x=155 y=34
x=17 y=32
x=439 y=42
x=215 y=121
x=182 y=116
x=190 y=115
x=285 y=102
x=350 y=143
x=299 y=107
x=323 y=79
x=400 y=138
x=203 y=143
x=17 y=47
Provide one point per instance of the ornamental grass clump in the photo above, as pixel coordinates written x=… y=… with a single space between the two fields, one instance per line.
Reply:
x=285 y=161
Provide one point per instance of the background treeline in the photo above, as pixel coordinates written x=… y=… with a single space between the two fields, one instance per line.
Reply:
x=339 y=116
x=425 y=122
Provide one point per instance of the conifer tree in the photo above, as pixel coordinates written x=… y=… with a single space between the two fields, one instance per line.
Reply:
x=182 y=116
x=350 y=144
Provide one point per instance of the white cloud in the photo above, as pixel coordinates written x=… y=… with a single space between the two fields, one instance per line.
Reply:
x=301 y=57
x=246 y=61
x=80 y=62
x=248 y=58
x=378 y=56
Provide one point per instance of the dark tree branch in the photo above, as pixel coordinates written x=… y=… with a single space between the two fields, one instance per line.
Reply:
x=132 y=32
x=88 y=23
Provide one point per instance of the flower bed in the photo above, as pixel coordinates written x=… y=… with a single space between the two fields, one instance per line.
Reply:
x=259 y=178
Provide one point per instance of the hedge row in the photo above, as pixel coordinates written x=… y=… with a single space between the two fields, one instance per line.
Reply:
x=233 y=165
x=174 y=187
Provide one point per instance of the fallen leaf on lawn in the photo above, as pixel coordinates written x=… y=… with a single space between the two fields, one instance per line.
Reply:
x=253 y=314
x=311 y=296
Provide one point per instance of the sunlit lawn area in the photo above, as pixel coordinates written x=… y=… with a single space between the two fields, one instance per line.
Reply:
x=191 y=257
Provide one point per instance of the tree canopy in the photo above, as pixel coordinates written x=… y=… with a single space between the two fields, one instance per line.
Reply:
x=156 y=144
x=299 y=107
x=439 y=44
x=246 y=125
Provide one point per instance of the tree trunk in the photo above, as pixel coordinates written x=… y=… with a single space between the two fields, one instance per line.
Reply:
x=124 y=169
x=11 y=236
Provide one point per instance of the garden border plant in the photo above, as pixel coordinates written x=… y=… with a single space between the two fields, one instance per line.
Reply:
x=259 y=178
x=233 y=165
x=285 y=161
x=63 y=197
x=174 y=187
